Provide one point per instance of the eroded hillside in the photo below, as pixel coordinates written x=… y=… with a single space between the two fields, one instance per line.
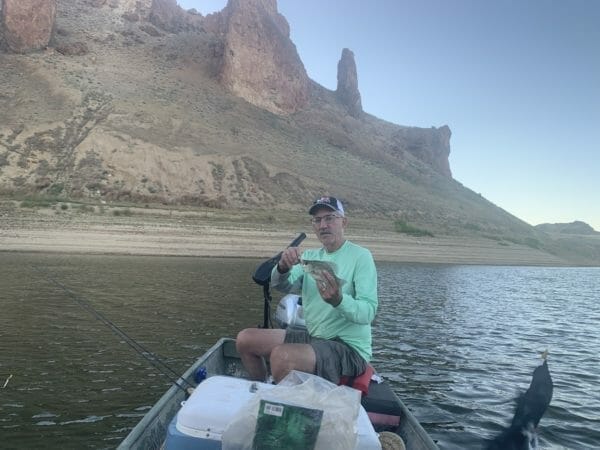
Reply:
x=121 y=109
x=136 y=102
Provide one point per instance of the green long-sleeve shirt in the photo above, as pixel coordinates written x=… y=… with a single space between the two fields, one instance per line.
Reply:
x=351 y=319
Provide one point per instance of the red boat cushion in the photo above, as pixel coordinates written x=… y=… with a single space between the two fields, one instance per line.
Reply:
x=361 y=382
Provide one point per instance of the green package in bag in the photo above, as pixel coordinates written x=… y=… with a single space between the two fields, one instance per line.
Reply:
x=281 y=425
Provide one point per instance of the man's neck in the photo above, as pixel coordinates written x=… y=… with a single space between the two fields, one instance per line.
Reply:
x=336 y=248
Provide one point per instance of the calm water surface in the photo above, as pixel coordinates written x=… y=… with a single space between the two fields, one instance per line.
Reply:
x=457 y=343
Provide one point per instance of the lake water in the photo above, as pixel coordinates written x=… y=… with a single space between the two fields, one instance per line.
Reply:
x=457 y=343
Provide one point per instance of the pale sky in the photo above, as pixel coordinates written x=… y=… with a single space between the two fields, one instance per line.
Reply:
x=517 y=82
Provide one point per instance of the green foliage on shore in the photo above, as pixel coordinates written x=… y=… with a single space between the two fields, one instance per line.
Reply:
x=401 y=226
x=527 y=241
x=56 y=189
x=39 y=202
x=82 y=208
x=122 y=212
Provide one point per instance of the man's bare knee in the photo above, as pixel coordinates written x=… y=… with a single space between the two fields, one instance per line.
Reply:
x=281 y=363
x=258 y=341
x=243 y=341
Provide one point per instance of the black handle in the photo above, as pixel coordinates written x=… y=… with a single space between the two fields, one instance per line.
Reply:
x=296 y=242
x=262 y=275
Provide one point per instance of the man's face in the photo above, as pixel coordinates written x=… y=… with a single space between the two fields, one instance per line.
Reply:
x=329 y=227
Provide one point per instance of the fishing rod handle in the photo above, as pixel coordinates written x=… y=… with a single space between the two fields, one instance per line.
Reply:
x=296 y=242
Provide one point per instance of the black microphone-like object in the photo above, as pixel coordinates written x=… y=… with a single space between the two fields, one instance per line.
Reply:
x=262 y=275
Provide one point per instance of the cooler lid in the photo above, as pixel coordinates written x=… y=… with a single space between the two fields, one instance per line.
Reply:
x=213 y=404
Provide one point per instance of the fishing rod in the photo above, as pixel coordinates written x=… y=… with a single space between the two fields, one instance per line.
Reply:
x=153 y=359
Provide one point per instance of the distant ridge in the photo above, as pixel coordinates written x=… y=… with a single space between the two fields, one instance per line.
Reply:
x=576 y=227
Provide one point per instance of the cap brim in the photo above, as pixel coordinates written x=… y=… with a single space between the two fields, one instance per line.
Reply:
x=314 y=208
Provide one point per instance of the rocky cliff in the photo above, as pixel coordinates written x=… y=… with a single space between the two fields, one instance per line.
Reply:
x=26 y=25
x=139 y=100
x=259 y=61
x=429 y=145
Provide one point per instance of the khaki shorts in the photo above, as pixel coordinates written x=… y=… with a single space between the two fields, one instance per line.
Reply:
x=334 y=357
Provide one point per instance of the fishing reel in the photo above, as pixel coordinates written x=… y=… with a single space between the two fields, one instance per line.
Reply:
x=262 y=277
x=289 y=312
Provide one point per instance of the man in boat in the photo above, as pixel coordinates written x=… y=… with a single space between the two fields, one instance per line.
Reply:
x=339 y=305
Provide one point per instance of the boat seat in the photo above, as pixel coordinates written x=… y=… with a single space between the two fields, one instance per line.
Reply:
x=382 y=407
x=360 y=382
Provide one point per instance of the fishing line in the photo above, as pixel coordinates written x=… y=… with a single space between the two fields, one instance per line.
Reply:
x=159 y=364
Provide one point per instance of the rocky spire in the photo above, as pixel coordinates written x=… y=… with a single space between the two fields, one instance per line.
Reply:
x=347 y=87
x=27 y=24
x=260 y=62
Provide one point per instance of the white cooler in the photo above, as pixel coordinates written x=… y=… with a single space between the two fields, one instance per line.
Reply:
x=201 y=421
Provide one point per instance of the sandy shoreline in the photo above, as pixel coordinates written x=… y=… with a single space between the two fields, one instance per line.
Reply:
x=127 y=236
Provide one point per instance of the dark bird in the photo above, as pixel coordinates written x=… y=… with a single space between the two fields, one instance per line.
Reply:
x=531 y=406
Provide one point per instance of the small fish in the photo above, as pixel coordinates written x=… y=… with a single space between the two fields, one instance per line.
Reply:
x=317 y=268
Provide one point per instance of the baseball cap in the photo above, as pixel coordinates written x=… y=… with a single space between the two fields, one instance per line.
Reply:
x=329 y=202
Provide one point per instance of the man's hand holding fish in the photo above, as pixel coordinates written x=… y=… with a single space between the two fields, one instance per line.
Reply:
x=290 y=257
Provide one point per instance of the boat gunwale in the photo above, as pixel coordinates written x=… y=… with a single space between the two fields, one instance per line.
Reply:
x=148 y=421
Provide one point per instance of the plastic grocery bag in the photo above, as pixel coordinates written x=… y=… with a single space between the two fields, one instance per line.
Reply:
x=302 y=412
